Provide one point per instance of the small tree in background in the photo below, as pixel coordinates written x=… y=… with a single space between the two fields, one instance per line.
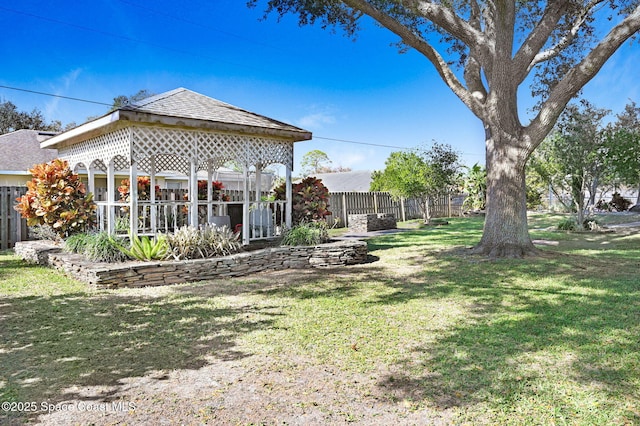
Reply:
x=310 y=200
x=420 y=173
x=474 y=183
x=57 y=198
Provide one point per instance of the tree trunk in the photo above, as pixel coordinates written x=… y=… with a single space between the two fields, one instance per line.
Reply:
x=505 y=228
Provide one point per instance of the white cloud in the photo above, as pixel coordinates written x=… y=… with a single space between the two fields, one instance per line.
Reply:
x=60 y=87
x=316 y=120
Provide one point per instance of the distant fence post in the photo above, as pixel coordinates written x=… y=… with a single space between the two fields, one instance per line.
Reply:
x=12 y=227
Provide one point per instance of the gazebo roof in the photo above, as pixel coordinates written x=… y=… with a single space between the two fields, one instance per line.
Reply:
x=185 y=109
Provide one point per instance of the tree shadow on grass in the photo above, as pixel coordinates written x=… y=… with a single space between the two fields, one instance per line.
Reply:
x=523 y=336
x=50 y=344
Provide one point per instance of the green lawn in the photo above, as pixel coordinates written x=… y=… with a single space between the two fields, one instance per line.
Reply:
x=550 y=340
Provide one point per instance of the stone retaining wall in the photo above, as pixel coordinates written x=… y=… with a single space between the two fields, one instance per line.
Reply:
x=142 y=274
x=372 y=222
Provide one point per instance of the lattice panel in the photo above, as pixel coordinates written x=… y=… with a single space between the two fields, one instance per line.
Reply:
x=174 y=149
x=150 y=141
x=102 y=148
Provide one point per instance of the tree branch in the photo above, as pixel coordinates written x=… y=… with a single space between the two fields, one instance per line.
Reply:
x=567 y=39
x=537 y=39
x=414 y=40
x=581 y=74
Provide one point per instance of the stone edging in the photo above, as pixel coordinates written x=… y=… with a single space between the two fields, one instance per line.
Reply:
x=142 y=274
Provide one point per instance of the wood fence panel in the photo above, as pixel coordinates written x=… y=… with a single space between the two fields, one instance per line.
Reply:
x=342 y=204
x=12 y=227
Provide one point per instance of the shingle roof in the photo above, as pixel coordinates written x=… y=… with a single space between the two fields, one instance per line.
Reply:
x=185 y=103
x=358 y=181
x=21 y=150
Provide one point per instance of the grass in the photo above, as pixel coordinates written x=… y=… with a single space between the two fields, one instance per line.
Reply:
x=550 y=340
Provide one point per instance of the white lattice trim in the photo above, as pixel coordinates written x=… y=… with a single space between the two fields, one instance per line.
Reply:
x=174 y=149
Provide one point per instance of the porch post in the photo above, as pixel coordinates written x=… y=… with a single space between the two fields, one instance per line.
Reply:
x=258 y=182
x=289 y=195
x=133 y=198
x=245 y=206
x=193 y=193
x=91 y=180
x=152 y=180
x=111 y=198
x=210 y=190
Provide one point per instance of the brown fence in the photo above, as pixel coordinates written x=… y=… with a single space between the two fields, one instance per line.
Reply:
x=12 y=227
x=342 y=204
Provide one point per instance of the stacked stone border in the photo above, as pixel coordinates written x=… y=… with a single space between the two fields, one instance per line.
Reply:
x=143 y=274
x=372 y=222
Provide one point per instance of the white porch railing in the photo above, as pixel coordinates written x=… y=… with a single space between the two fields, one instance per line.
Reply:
x=266 y=219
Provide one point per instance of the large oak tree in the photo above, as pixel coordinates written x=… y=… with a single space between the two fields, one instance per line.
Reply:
x=484 y=51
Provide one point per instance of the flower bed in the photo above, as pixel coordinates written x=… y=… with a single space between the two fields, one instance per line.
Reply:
x=142 y=274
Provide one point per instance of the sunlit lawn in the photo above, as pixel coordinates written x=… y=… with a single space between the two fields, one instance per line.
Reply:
x=549 y=340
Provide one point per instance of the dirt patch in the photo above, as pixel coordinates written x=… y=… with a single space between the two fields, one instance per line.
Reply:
x=256 y=390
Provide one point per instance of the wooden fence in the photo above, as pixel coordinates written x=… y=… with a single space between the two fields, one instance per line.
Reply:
x=342 y=204
x=12 y=227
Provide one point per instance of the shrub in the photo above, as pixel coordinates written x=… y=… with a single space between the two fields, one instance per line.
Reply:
x=56 y=197
x=310 y=200
x=43 y=232
x=98 y=247
x=306 y=234
x=77 y=243
x=620 y=203
x=568 y=224
x=189 y=242
x=145 y=248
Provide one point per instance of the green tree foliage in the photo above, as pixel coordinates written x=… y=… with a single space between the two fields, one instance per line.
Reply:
x=474 y=184
x=623 y=142
x=57 y=198
x=314 y=162
x=573 y=159
x=420 y=173
x=485 y=51
x=123 y=100
x=310 y=200
x=11 y=119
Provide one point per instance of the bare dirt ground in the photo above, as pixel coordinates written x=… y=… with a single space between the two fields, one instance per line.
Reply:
x=251 y=390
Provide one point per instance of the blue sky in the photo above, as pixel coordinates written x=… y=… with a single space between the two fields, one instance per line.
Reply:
x=362 y=91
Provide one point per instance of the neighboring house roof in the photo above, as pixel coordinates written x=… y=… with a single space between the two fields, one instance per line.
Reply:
x=21 y=150
x=184 y=108
x=358 y=181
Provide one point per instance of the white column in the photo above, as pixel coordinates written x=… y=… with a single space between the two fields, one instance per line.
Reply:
x=289 y=194
x=91 y=180
x=133 y=198
x=245 y=207
x=210 y=191
x=154 y=208
x=258 y=182
x=111 y=198
x=193 y=194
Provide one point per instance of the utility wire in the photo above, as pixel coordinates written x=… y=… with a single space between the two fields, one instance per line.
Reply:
x=130 y=39
x=55 y=96
x=111 y=104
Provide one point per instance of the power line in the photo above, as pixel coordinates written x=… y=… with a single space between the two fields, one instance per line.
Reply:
x=111 y=104
x=361 y=143
x=130 y=39
x=55 y=96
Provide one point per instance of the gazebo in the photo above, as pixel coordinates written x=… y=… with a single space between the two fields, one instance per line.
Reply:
x=183 y=132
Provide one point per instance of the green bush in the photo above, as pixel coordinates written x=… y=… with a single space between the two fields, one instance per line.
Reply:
x=189 y=242
x=568 y=224
x=97 y=247
x=306 y=234
x=145 y=248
